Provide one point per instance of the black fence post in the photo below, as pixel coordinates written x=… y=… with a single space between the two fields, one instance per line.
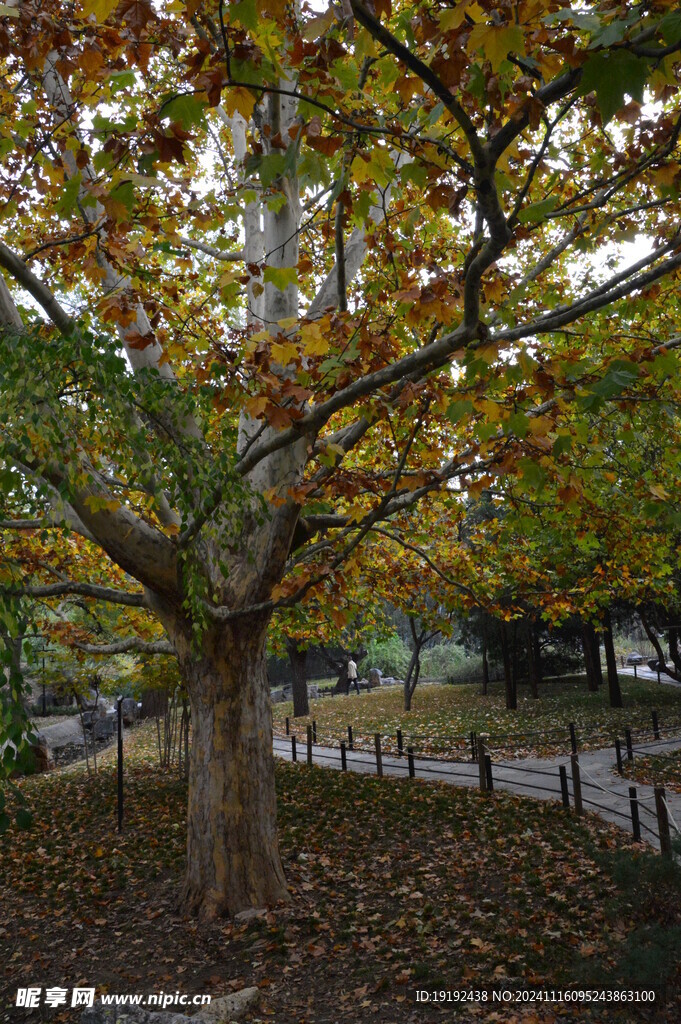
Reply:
x=635 y=823
x=309 y=744
x=656 y=725
x=576 y=784
x=663 y=822
x=482 y=771
x=379 y=756
x=618 y=755
x=564 y=792
x=344 y=760
x=314 y=731
x=400 y=742
x=488 y=774
x=288 y=727
x=410 y=758
x=474 y=746
x=350 y=746
x=294 y=753
x=573 y=738
x=630 y=748
x=119 y=704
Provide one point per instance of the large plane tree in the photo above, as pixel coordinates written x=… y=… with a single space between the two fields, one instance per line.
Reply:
x=272 y=276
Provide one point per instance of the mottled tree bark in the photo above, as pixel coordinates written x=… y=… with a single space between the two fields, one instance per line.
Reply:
x=233 y=860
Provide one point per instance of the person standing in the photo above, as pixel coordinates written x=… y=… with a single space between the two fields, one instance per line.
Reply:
x=352 y=675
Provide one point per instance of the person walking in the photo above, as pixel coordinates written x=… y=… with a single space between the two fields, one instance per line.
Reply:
x=352 y=675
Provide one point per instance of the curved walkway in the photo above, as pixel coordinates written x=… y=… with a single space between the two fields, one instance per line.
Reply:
x=603 y=791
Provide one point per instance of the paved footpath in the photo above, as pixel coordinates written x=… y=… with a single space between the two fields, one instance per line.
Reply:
x=533 y=777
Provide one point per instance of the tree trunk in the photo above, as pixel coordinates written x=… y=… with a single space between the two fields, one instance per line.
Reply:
x=611 y=662
x=511 y=695
x=412 y=679
x=596 y=656
x=233 y=860
x=532 y=659
x=298 y=659
x=588 y=648
x=536 y=647
x=485 y=663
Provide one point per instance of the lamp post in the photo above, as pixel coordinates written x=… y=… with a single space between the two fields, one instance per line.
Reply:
x=119 y=706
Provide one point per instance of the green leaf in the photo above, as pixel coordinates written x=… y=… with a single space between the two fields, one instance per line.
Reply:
x=670 y=27
x=187 y=110
x=537 y=211
x=612 y=75
x=280 y=277
x=121 y=80
x=517 y=424
x=67 y=201
x=125 y=194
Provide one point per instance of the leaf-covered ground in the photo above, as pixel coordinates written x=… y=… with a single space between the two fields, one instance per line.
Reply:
x=442 y=717
x=396 y=886
x=660 y=770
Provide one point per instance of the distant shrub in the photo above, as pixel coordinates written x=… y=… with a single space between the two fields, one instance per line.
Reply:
x=392 y=656
x=440 y=660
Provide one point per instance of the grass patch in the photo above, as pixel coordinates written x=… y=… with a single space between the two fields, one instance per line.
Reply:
x=395 y=886
x=658 y=770
x=442 y=716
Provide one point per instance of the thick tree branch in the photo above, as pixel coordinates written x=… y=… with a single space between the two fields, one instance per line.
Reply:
x=99 y=593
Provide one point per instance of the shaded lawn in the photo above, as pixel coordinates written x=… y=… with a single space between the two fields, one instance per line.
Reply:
x=442 y=716
x=395 y=886
x=659 y=770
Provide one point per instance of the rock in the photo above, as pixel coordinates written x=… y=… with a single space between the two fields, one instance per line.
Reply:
x=250 y=914
x=99 y=1014
x=375 y=677
x=129 y=710
x=44 y=761
x=277 y=696
x=313 y=691
x=103 y=728
x=230 y=1008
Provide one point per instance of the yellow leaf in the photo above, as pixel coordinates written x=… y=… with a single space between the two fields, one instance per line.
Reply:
x=454 y=17
x=240 y=100
x=496 y=42
x=658 y=491
x=492 y=411
x=314 y=342
x=100 y=8
x=356 y=513
x=540 y=425
x=255 y=407
x=284 y=353
x=360 y=170
x=99 y=852
x=320 y=25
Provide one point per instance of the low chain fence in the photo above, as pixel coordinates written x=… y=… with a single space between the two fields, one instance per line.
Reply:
x=481 y=760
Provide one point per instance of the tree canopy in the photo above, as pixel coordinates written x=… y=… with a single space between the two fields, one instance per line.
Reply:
x=273 y=276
